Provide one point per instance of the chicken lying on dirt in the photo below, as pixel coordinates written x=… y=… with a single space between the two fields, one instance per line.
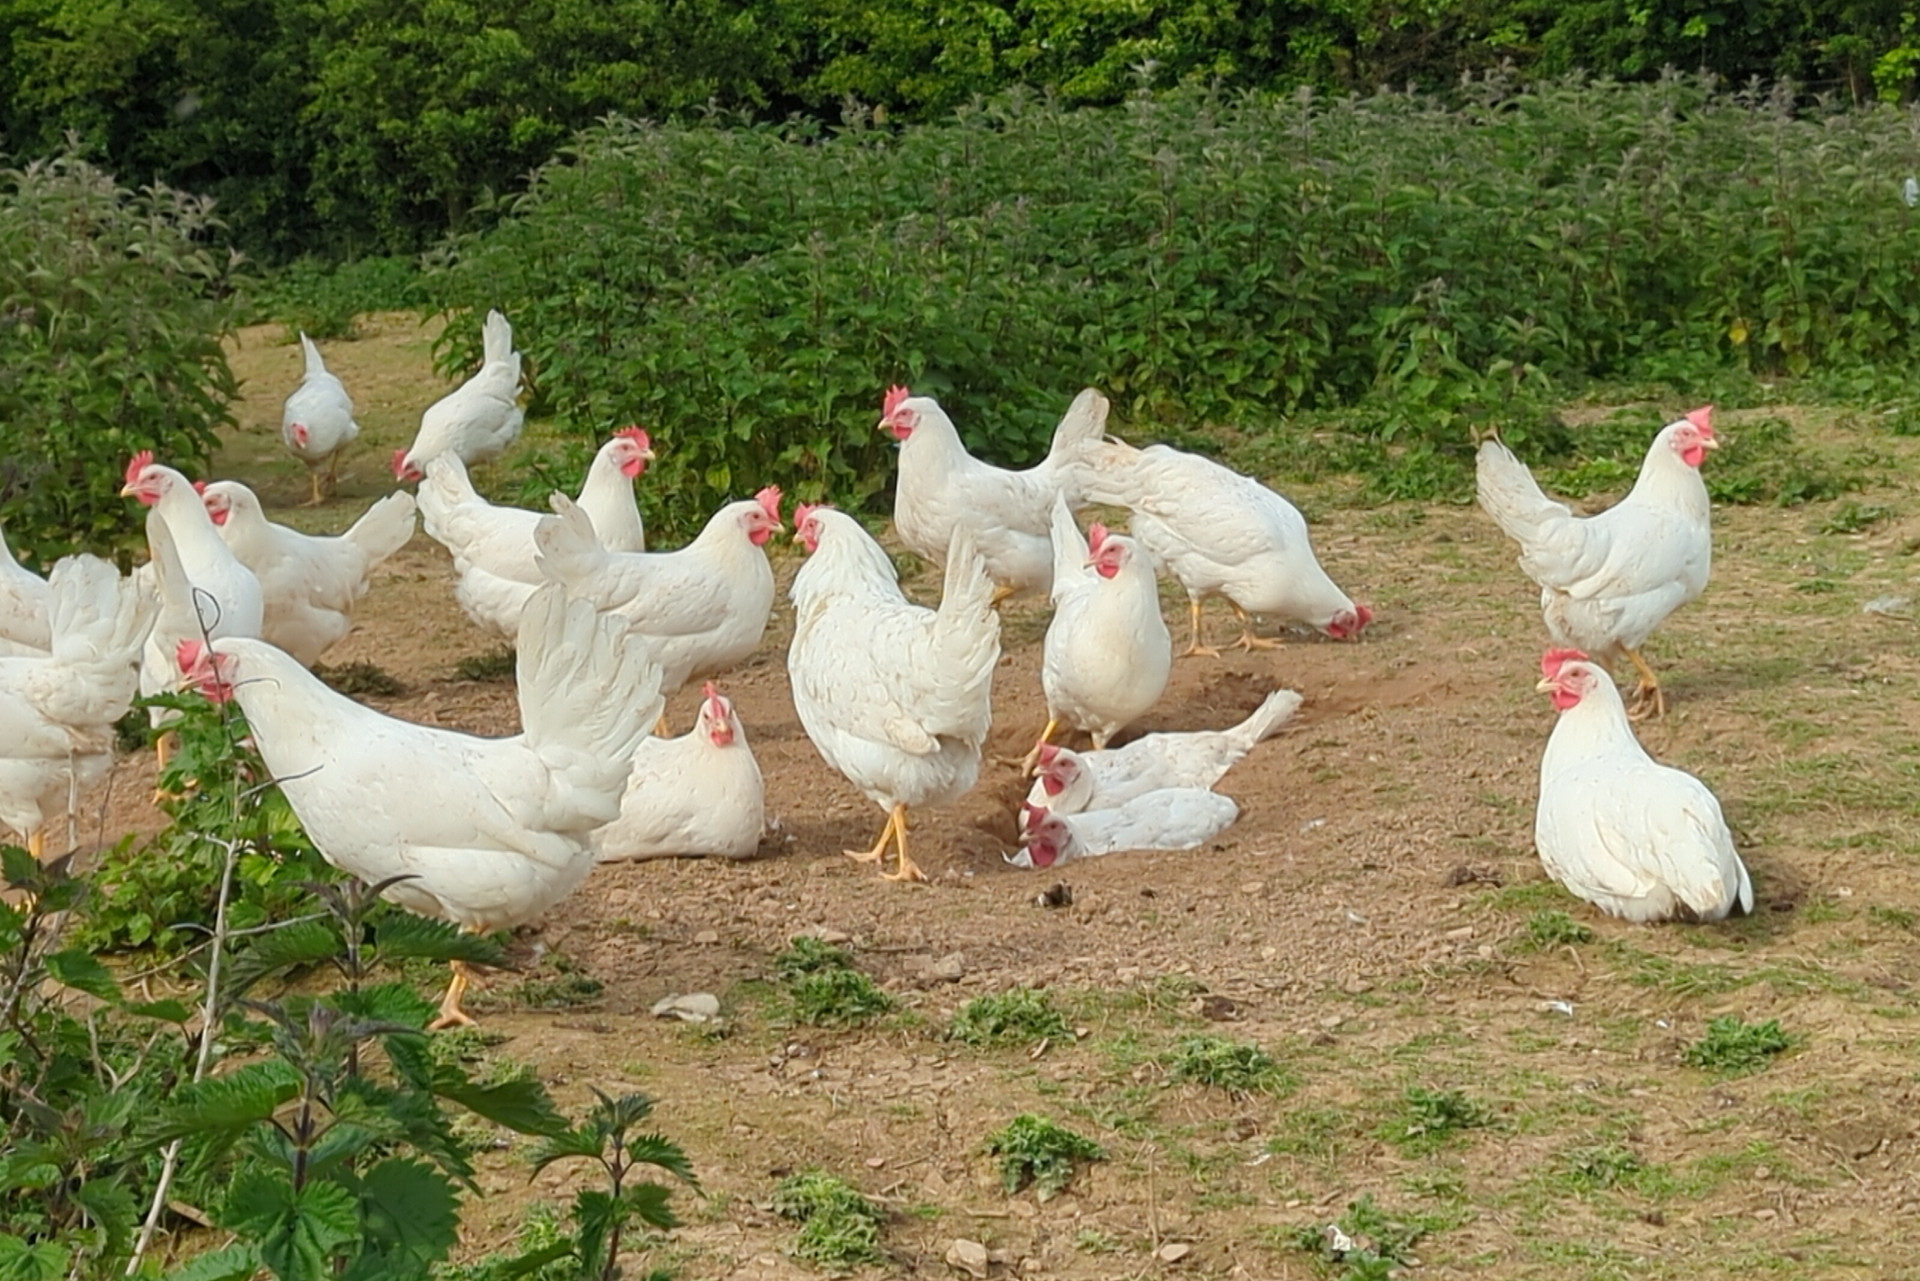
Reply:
x=896 y=696
x=1607 y=581
x=943 y=488
x=1173 y=818
x=1631 y=836
x=699 y=794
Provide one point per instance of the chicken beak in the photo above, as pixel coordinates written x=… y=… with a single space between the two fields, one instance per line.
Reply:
x=1708 y=442
x=1545 y=687
x=646 y=455
x=128 y=491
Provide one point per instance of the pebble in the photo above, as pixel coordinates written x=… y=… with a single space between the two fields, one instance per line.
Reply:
x=1174 y=1251
x=969 y=1256
x=694 y=1007
x=706 y=938
x=949 y=968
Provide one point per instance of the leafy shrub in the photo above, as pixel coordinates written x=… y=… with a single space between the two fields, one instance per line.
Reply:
x=112 y=307
x=1366 y=1242
x=746 y=292
x=1018 y=1017
x=839 y=1228
x=823 y=987
x=1733 y=1047
x=1234 y=1066
x=1550 y=927
x=1035 y=1150
x=323 y=300
x=1429 y=1118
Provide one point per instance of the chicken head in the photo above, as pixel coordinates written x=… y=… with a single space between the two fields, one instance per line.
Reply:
x=633 y=450
x=207 y=671
x=1693 y=436
x=716 y=716
x=1567 y=677
x=765 y=523
x=896 y=416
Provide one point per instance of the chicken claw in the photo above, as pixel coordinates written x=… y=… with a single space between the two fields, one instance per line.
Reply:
x=1194 y=648
x=879 y=850
x=908 y=870
x=451 y=1015
x=1248 y=641
x=313 y=479
x=1648 y=699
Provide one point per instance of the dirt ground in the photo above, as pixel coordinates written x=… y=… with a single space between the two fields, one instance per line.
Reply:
x=1373 y=921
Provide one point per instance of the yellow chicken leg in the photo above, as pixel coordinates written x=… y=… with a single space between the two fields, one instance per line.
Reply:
x=451 y=1015
x=313 y=481
x=37 y=845
x=879 y=850
x=1194 y=648
x=660 y=727
x=1002 y=593
x=1248 y=641
x=1032 y=758
x=1648 y=699
x=907 y=870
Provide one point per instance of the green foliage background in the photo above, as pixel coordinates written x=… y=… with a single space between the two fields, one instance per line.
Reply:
x=351 y=126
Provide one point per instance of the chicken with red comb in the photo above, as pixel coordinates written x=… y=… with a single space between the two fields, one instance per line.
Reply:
x=492 y=546
x=942 y=487
x=317 y=423
x=1608 y=581
x=476 y=421
x=699 y=795
x=1635 y=838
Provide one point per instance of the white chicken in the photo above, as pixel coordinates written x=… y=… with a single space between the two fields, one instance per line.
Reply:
x=1607 y=581
x=57 y=710
x=1072 y=782
x=489 y=832
x=896 y=696
x=1635 y=838
x=942 y=487
x=1172 y=818
x=1221 y=534
x=308 y=585
x=24 y=621
x=1107 y=653
x=699 y=794
x=701 y=609
x=213 y=595
x=492 y=547
x=477 y=420
x=317 y=421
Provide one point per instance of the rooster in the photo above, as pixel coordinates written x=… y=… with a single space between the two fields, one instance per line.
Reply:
x=492 y=546
x=1172 y=818
x=317 y=421
x=1607 y=581
x=477 y=420
x=486 y=833
x=896 y=696
x=699 y=794
x=1221 y=534
x=1635 y=838
x=1070 y=782
x=942 y=487
x=308 y=585
x=1107 y=653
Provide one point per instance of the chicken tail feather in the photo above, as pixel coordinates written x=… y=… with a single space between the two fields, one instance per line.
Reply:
x=386 y=526
x=1276 y=710
x=1509 y=493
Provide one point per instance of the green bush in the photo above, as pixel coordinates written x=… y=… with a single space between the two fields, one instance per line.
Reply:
x=746 y=292
x=112 y=306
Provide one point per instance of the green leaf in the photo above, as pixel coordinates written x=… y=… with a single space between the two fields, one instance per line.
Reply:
x=533 y=1260
x=167 y=1011
x=110 y=1206
x=404 y=936
x=579 y=1142
x=237 y=1262
x=410 y=1212
x=21 y=869
x=524 y=1107
x=649 y=1202
x=297 y=1233
x=292 y=946
x=662 y=1153
x=46 y=1261
x=83 y=973
x=235 y=1101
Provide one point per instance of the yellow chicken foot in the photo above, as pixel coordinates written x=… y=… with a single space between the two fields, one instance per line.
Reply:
x=37 y=845
x=1248 y=641
x=1194 y=648
x=313 y=481
x=907 y=870
x=163 y=751
x=660 y=727
x=1032 y=758
x=879 y=850
x=451 y=1015
x=1648 y=699
x=1000 y=594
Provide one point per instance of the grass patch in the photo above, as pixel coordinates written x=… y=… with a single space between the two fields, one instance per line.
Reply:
x=358 y=680
x=1608 y=1165
x=1550 y=927
x=563 y=986
x=1022 y=1016
x=823 y=988
x=1852 y=517
x=839 y=1228
x=1032 y=1149
x=1366 y=1243
x=1732 y=1047
x=1234 y=1066
x=496 y=665
x=1430 y=1118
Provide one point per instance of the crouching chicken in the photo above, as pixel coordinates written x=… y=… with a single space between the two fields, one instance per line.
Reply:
x=1631 y=836
x=695 y=795
x=488 y=832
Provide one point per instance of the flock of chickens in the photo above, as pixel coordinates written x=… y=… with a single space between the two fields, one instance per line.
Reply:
x=895 y=695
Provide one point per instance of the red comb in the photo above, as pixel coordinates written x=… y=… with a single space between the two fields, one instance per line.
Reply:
x=1096 y=536
x=805 y=510
x=199 y=486
x=1049 y=753
x=141 y=461
x=1554 y=659
x=1033 y=813
x=1703 y=419
x=707 y=690
x=895 y=394
x=769 y=500
x=638 y=435
x=399 y=463
x=187 y=653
